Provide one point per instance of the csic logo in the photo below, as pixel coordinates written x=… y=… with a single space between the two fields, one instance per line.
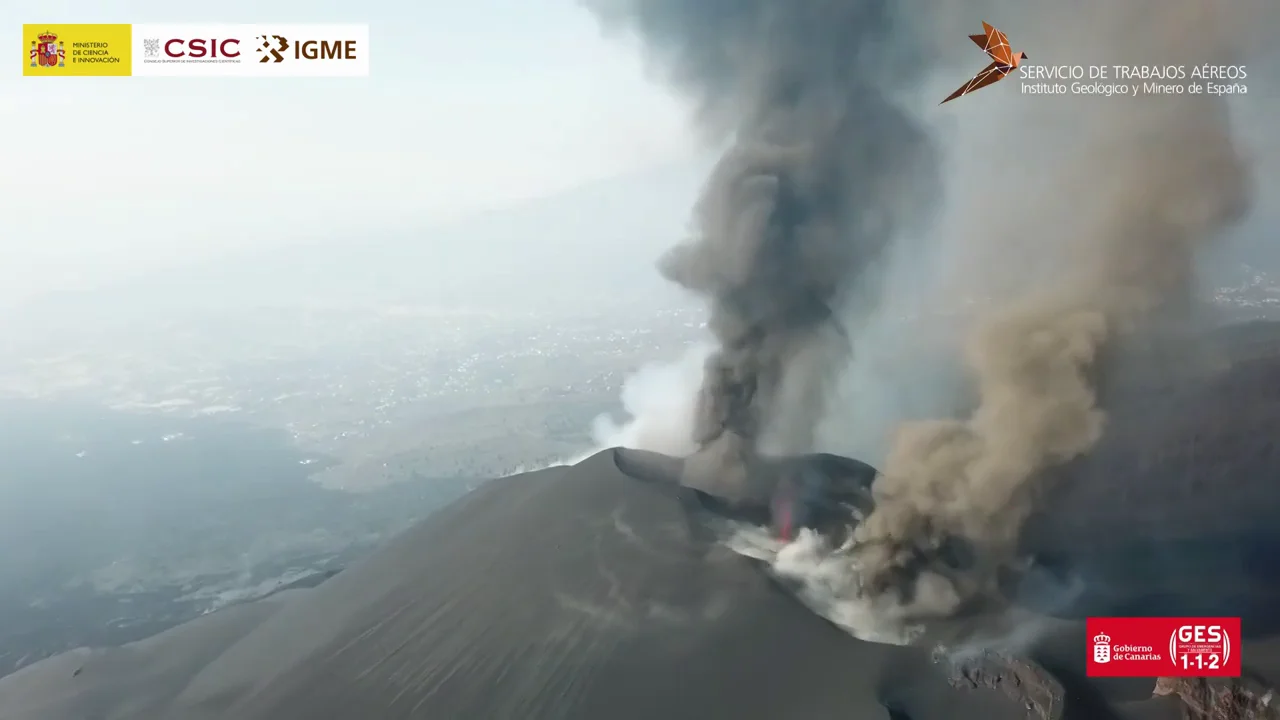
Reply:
x=276 y=48
x=48 y=51
x=201 y=48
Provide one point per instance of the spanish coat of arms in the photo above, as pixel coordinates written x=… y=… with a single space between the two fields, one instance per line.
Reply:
x=47 y=51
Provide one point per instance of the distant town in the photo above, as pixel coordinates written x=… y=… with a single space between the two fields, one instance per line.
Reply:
x=380 y=394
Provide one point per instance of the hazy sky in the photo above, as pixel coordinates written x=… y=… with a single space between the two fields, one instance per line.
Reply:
x=469 y=105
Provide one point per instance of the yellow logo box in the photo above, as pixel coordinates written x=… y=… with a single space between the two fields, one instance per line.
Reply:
x=77 y=50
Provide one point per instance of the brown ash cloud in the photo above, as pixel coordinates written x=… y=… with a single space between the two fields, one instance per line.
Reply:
x=1152 y=180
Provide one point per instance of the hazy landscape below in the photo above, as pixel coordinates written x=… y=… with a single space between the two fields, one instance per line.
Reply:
x=196 y=437
x=219 y=463
x=212 y=434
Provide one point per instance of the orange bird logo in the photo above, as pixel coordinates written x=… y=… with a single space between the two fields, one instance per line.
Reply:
x=995 y=44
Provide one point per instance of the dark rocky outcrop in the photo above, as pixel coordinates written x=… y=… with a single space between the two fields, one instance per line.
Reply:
x=1020 y=679
x=1221 y=698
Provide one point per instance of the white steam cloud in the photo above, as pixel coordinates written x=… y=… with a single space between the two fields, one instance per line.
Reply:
x=659 y=400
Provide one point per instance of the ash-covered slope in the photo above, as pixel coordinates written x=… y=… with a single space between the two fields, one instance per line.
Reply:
x=1188 y=441
x=578 y=592
x=1173 y=512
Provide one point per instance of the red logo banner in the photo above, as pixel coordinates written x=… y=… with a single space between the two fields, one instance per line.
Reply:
x=1168 y=647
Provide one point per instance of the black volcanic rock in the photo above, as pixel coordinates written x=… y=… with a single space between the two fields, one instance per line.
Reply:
x=570 y=593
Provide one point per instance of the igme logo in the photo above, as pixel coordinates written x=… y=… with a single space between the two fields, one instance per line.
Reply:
x=276 y=48
x=272 y=48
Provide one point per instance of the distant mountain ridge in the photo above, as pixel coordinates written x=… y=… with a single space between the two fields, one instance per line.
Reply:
x=595 y=244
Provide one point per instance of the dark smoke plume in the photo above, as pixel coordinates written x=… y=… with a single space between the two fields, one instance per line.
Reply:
x=822 y=172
